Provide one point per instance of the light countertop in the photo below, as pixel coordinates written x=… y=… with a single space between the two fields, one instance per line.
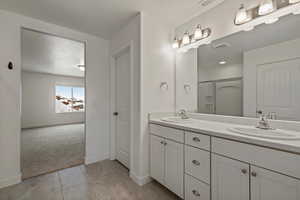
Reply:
x=220 y=129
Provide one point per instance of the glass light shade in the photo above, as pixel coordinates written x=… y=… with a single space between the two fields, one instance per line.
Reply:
x=198 y=33
x=175 y=44
x=186 y=38
x=242 y=16
x=294 y=1
x=266 y=7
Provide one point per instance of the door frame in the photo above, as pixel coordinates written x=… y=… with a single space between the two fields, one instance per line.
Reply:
x=113 y=134
x=53 y=34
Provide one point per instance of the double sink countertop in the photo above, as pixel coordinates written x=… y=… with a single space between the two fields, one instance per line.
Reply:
x=221 y=130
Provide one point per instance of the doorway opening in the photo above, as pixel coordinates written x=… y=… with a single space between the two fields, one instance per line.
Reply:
x=53 y=103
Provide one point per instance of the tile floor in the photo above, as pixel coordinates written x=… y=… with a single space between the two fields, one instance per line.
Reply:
x=106 y=180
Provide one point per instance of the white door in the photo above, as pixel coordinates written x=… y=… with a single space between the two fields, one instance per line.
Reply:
x=123 y=107
x=157 y=158
x=174 y=167
x=230 y=179
x=278 y=86
x=267 y=185
x=229 y=98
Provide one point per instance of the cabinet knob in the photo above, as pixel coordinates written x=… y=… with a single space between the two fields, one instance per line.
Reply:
x=196 y=162
x=196 y=193
x=254 y=174
x=244 y=171
x=196 y=139
x=162 y=142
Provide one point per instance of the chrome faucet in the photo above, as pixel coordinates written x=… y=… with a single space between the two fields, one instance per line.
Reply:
x=263 y=121
x=182 y=113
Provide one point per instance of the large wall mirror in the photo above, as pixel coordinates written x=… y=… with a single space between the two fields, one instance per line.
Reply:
x=243 y=73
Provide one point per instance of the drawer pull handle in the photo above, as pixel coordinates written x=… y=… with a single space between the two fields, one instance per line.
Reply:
x=254 y=174
x=244 y=171
x=196 y=162
x=196 y=139
x=196 y=193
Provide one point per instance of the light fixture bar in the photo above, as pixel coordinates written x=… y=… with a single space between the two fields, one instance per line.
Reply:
x=263 y=9
x=189 y=40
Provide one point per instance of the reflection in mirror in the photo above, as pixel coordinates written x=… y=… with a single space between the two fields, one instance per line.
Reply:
x=252 y=71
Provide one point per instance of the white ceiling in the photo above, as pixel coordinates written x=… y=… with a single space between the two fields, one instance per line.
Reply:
x=285 y=29
x=103 y=17
x=50 y=54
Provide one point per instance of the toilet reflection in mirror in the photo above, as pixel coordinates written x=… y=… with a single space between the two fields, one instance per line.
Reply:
x=245 y=72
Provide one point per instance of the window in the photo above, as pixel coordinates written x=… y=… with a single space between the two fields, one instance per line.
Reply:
x=69 y=99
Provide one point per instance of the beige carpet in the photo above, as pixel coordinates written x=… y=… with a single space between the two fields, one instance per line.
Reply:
x=49 y=149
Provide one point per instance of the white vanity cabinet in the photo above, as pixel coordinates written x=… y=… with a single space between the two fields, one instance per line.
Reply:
x=166 y=159
x=268 y=185
x=230 y=179
x=213 y=168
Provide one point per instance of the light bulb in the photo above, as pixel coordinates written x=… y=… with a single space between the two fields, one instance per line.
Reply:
x=186 y=38
x=294 y=1
x=198 y=33
x=175 y=44
x=242 y=16
x=266 y=7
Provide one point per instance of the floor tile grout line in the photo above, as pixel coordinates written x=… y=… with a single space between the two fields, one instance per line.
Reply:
x=61 y=186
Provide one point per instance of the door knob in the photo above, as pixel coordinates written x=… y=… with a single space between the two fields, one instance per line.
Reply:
x=254 y=174
x=116 y=113
x=244 y=171
x=10 y=66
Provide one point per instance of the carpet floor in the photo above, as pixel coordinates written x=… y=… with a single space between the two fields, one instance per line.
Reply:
x=49 y=149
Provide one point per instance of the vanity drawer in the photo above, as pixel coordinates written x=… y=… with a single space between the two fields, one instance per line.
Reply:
x=276 y=160
x=197 y=163
x=197 y=140
x=166 y=132
x=196 y=190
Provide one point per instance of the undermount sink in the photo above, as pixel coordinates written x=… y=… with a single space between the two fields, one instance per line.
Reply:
x=277 y=134
x=176 y=119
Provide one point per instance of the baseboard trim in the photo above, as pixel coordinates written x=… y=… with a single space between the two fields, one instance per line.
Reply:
x=93 y=159
x=5 y=182
x=140 y=180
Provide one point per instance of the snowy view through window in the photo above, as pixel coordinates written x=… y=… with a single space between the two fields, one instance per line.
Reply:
x=69 y=99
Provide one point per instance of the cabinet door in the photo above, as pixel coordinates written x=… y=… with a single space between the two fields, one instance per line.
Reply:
x=267 y=185
x=230 y=179
x=174 y=167
x=157 y=158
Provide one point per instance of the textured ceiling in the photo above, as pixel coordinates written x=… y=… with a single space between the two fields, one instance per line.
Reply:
x=50 y=54
x=102 y=17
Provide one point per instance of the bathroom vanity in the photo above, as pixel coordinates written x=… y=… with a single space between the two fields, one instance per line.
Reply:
x=203 y=160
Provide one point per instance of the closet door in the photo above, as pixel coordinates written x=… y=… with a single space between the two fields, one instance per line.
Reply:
x=267 y=185
x=230 y=179
x=157 y=158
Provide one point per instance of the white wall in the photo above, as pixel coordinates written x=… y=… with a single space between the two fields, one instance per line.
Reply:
x=186 y=74
x=97 y=89
x=218 y=72
x=158 y=65
x=38 y=100
x=130 y=34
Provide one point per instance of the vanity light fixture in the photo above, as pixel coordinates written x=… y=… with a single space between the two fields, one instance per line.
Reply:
x=186 y=38
x=175 y=44
x=242 y=15
x=294 y=1
x=198 y=33
x=266 y=7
